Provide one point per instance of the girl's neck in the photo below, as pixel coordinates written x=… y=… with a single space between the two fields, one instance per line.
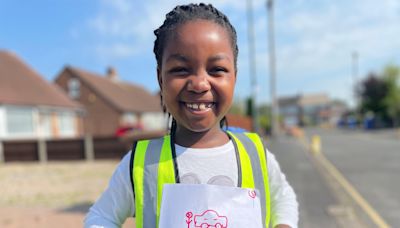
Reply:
x=211 y=138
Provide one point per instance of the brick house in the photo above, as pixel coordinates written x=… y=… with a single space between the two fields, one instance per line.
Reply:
x=31 y=107
x=112 y=105
x=305 y=109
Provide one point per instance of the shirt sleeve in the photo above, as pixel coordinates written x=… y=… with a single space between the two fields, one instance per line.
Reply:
x=116 y=203
x=284 y=206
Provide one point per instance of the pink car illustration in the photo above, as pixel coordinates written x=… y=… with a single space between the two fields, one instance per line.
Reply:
x=210 y=218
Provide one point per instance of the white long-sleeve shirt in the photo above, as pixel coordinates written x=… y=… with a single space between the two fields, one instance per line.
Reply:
x=206 y=166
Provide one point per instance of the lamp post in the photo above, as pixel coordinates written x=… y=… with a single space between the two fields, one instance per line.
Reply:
x=252 y=64
x=272 y=63
x=354 y=56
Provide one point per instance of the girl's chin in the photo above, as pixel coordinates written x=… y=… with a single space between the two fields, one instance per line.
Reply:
x=201 y=128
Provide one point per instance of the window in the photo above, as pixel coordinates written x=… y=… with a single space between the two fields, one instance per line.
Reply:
x=74 y=88
x=66 y=124
x=154 y=121
x=19 y=121
x=45 y=125
x=129 y=118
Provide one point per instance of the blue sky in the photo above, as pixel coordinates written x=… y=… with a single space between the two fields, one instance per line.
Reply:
x=314 y=39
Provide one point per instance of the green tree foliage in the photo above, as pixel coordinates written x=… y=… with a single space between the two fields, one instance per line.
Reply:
x=372 y=93
x=380 y=94
x=391 y=76
x=264 y=119
x=237 y=107
x=249 y=107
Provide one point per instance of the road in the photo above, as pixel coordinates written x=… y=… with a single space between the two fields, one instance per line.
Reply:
x=313 y=194
x=371 y=163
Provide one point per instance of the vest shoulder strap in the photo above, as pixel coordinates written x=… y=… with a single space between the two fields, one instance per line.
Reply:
x=255 y=149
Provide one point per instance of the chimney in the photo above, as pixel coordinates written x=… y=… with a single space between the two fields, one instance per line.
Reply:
x=112 y=74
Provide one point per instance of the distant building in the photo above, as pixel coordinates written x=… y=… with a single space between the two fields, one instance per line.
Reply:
x=30 y=107
x=112 y=106
x=309 y=109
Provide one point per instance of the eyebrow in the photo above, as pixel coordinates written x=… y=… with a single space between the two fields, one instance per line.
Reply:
x=183 y=58
x=219 y=57
x=178 y=57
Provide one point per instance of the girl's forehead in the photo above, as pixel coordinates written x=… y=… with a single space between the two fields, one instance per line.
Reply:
x=193 y=30
x=198 y=23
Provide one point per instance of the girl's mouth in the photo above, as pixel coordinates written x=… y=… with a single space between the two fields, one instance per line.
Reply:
x=199 y=106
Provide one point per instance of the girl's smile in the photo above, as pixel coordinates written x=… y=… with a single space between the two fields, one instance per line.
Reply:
x=197 y=76
x=199 y=107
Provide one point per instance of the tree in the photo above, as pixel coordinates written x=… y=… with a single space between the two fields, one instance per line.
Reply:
x=237 y=107
x=372 y=92
x=391 y=76
x=264 y=118
x=249 y=107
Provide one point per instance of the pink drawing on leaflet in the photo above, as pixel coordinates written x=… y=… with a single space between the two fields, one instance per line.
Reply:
x=252 y=193
x=209 y=219
x=189 y=216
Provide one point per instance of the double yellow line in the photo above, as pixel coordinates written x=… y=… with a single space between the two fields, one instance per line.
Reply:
x=349 y=188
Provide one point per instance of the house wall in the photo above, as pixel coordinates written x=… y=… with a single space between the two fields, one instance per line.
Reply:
x=45 y=123
x=100 y=118
x=2 y=122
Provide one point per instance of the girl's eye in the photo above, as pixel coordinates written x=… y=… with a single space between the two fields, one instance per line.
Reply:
x=218 y=70
x=179 y=70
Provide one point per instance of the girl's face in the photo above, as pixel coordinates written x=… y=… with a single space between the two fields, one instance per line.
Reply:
x=197 y=75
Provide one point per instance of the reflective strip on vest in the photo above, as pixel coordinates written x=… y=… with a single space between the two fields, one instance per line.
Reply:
x=166 y=171
x=256 y=151
x=154 y=166
x=245 y=163
x=149 y=191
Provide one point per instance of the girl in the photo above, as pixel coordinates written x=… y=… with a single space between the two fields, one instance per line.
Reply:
x=196 y=52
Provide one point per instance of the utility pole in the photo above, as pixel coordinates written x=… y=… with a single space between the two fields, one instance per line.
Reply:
x=252 y=64
x=272 y=63
x=355 y=76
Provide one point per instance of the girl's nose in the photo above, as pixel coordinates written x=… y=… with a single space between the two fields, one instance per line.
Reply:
x=199 y=83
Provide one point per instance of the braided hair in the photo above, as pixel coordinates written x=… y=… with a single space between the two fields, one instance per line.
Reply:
x=185 y=13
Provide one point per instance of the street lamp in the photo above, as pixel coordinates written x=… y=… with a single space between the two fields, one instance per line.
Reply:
x=355 y=75
x=252 y=64
x=272 y=63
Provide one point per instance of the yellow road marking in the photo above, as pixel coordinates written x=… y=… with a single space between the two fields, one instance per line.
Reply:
x=368 y=209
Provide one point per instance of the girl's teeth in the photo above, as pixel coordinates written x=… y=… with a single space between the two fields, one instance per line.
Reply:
x=200 y=106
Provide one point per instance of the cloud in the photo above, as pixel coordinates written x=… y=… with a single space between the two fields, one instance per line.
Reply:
x=314 y=38
x=323 y=39
x=134 y=21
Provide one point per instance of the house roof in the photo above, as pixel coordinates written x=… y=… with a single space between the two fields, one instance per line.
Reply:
x=288 y=101
x=21 y=85
x=314 y=99
x=123 y=96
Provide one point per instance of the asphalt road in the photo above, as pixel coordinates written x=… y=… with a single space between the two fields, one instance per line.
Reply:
x=313 y=194
x=370 y=161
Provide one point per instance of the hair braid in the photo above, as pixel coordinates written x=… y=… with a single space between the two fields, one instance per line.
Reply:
x=184 y=13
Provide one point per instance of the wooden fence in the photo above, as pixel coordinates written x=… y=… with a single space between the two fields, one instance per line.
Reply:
x=63 y=149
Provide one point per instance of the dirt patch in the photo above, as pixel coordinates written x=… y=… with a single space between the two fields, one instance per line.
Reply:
x=57 y=194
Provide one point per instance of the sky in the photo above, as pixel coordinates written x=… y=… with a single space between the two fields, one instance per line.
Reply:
x=315 y=40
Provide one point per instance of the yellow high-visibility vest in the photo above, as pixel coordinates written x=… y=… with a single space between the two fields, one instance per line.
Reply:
x=153 y=164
